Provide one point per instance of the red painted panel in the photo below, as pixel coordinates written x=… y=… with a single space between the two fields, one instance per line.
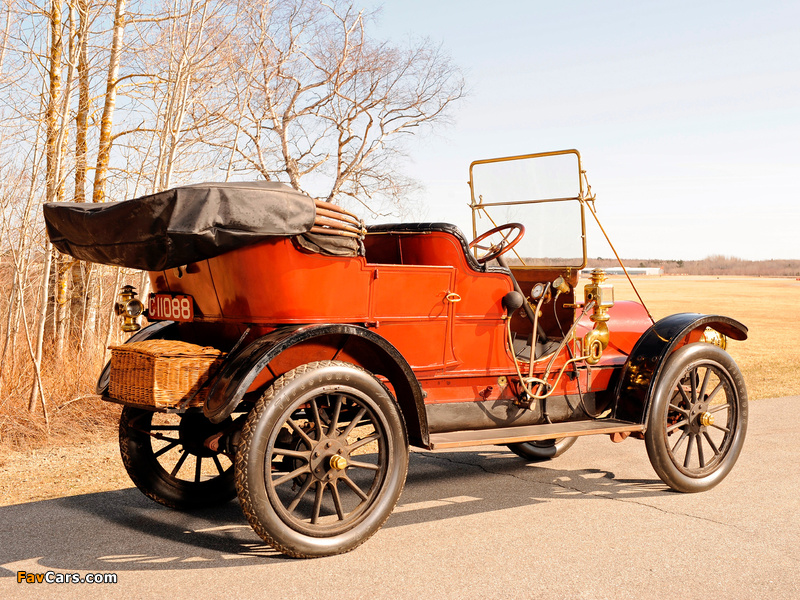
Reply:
x=412 y=313
x=479 y=331
x=465 y=389
x=275 y=282
x=194 y=280
x=628 y=322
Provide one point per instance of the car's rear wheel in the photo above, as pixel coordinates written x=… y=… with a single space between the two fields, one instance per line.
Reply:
x=541 y=450
x=322 y=460
x=166 y=457
x=698 y=418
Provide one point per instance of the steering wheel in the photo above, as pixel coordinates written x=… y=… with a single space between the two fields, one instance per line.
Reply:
x=495 y=250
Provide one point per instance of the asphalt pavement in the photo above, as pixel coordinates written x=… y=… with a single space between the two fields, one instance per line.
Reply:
x=478 y=523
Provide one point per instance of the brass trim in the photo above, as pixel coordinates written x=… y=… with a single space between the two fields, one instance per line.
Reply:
x=581 y=198
x=338 y=462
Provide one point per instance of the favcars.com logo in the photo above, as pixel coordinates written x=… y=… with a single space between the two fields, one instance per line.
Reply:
x=53 y=577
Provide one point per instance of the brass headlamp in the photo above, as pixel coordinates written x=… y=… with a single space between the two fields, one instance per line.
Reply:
x=602 y=294
x=130 y=308
x=712 y=336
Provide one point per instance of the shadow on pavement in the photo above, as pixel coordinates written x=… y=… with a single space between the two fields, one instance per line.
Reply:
x=124 y=530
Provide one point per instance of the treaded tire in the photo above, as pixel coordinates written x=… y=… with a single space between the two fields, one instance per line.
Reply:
x=146 y=465
x=688 y=455
x=271 y=467
x=540 y=451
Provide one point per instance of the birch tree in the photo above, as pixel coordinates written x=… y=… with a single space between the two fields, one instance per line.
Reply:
x=287 y=90
x=107 y=120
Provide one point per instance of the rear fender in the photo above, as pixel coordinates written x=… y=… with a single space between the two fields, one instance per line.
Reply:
x=646 y=361
x=363 y=347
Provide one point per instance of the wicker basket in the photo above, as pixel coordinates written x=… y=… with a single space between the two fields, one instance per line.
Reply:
x=161 y=373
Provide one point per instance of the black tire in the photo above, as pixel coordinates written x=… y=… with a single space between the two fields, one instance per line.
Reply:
x=165 y=457
x=698 y=418
x=318 y=426
x=541 y=450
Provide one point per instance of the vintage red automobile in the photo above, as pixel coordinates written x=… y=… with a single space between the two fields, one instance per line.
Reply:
x=337 y=345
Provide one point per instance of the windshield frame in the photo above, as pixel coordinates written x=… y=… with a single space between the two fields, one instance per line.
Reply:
x=477 y=206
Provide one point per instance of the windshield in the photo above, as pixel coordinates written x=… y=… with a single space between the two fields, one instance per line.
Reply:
x=541 y=191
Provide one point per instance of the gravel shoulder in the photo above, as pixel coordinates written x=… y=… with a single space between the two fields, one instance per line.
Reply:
x=58 y=471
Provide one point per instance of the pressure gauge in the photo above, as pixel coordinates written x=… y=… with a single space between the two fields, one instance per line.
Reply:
x=537 y=291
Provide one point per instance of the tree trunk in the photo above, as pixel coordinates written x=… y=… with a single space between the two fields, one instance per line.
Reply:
x=51 y=114
x=37 y=388
x=106 y=122
x=84 y=104
x=111 y=315
x=89 y=332
x=61 y=308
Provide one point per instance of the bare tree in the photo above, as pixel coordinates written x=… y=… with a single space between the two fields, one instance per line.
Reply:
x=107 y=120
x=53 y=100
x=288 y=90
x=314 y=101
x=84 y=101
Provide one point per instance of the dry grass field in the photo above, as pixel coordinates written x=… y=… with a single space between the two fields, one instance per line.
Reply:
x=769 y=307
x=88 y=460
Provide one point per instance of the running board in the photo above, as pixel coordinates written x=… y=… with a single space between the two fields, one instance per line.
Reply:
x=529 y=433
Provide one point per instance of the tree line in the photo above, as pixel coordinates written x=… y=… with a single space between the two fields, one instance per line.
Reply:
x=112 y=99
x=716 y=264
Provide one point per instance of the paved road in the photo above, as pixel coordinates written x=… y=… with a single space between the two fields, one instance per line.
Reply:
x=479 y=523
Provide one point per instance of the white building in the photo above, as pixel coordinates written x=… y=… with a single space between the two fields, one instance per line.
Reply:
x=587 y=272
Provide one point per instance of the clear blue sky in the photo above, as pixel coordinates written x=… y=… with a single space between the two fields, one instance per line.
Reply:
x=687 y=114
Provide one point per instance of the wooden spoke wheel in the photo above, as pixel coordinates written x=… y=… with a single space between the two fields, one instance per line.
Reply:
x=166 y=458
x=322 y=460
x=698 y=418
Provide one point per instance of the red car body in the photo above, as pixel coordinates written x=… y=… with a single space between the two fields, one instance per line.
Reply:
x=336 y=360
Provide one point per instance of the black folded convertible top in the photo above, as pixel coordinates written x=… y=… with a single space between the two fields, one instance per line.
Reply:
x=178 y=226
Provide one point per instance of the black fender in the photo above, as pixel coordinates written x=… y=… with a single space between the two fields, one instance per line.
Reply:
x=381 y=358
x=160 y=330
x=646 y=361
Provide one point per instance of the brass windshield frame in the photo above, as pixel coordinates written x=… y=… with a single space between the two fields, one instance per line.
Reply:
x=476 y=206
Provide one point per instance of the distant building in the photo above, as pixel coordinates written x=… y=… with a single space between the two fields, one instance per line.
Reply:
x=631 y=271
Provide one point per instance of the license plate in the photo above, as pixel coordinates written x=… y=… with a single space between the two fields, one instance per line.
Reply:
x=170 y=308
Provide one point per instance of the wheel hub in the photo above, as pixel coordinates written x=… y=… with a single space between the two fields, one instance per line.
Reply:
x=699 y=417
x=193 y=432
x=338 y=463
x=328 y=459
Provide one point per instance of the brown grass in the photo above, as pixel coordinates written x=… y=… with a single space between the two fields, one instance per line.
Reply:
x=769 y=307
x=75 y=413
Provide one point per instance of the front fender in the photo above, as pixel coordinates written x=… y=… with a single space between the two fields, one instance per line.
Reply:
x=377 y=355
x=646 y=361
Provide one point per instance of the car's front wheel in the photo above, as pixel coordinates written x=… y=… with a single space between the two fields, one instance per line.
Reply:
x=698 y=418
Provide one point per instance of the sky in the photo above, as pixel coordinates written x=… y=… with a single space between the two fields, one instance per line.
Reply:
x=686 y=114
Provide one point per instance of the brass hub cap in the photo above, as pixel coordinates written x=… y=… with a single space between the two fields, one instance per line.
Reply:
x=338 y=462
x=706 y=419
x=328 y=460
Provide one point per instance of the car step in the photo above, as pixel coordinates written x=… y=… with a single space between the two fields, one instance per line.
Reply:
x=528 y=433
